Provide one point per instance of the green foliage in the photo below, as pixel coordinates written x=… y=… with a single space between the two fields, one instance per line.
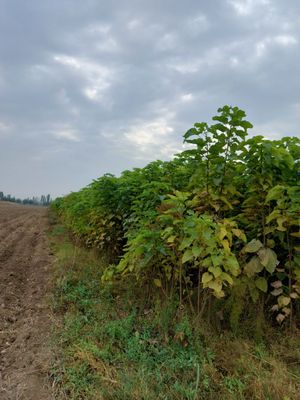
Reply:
x=220 y=215
x=111 y=344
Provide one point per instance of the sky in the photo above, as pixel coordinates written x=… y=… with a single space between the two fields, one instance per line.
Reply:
x=90 y=87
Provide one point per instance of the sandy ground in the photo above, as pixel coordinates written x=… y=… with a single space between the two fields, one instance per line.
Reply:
x=25 y=319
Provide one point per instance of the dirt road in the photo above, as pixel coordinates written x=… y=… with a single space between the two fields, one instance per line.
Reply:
x=25 y=322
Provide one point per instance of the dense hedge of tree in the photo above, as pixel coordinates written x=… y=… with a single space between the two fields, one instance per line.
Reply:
x=219 y=221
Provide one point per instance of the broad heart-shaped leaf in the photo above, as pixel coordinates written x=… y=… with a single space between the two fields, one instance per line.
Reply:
x=254 y=266
x=262 y=284
x=268 y=258
x=253 y=246
x=216 y=286
x=283 y=301
x=206 y=277
x=196 y=250
x=216 y=271
x=187 y=256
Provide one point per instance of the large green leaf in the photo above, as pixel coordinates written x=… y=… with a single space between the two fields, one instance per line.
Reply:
x=262 y=284
x=187 y=256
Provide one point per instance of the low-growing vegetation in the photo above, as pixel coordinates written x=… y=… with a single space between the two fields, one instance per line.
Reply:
x=206 y=242
x=114 y=343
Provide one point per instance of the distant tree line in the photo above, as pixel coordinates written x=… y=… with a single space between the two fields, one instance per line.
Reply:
x=38 y=201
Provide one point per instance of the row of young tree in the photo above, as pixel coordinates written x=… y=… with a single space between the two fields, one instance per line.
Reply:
x=217 y=227
x=40 y=201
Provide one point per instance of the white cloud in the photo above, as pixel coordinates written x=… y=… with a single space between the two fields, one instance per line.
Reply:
x=263 y=45
x=98 y=77
x=152 y=139
x=187 y=98
x=285 y=40
x=148 y=133
x=247 y=7
x=66 y=134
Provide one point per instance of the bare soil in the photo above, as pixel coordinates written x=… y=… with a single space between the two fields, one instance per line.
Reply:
x=25 y=318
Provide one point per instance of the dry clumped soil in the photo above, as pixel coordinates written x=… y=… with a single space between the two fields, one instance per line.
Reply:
x=25 y=318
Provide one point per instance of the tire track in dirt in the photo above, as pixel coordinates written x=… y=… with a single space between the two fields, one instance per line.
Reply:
x=25 y=322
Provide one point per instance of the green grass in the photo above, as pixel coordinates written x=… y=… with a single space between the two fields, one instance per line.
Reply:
x=112 y=343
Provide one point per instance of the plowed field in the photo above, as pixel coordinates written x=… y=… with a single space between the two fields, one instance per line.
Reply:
x=25 y=319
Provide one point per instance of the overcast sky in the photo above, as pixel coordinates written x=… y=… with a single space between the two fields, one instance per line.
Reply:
x=94 y=86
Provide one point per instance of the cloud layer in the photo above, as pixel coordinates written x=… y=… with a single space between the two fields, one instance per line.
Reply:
x=93 y=87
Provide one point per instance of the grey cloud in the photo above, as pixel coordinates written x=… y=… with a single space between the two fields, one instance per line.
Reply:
x=93 y=87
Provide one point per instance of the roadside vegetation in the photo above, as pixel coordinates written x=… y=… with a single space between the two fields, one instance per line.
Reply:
x=191 y=287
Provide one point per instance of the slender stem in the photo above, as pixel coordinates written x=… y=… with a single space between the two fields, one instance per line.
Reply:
x=225 y=165
x=290 y=275
x=198 y=291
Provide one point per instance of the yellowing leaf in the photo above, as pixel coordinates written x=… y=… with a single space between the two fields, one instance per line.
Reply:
x=206 y=277
x=216 y=286
x=225 y=244
x=295 y=234
x=283 y=301
x=216 y=271
x=222 y=233
x=261 y=284
x=157 y=282
x=171 y=239
x=253 y=267
x=253 y=246
x=219 y=294
x=280 y=222
x=271 y=243
x=239 y=234
x=227 y=278
x=268 y=258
